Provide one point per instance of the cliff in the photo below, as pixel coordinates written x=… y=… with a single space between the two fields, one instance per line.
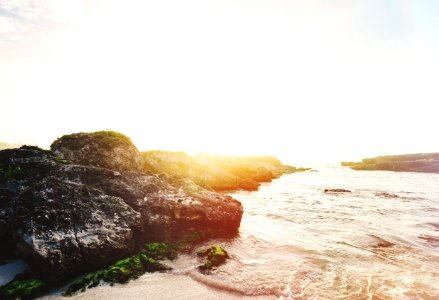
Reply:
x=421 y=162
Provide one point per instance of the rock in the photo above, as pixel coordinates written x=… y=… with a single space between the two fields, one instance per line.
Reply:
x=386 y=195
x=215 y=255
x=335 y=191
x=127 y=269
x=69 y=227
x=105 y=149
x=419 y=162
x=168 y=212
x=65 y=219
x=219 y=173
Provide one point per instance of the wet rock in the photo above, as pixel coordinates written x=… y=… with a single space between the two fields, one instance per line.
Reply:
x=66 y=227
x=386 y=195
x=215 y=255
x=65 y=219
x=105 y=149
x=126 y=269
x=335 y=191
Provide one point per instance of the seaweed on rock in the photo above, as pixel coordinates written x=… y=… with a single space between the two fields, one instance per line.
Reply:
x=123 y=270
x=23 y=286
x=216 y=256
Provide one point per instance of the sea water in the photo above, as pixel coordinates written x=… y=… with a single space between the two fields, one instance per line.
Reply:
x=378 y=241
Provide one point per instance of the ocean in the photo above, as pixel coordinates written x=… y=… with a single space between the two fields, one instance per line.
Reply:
x=378 y=241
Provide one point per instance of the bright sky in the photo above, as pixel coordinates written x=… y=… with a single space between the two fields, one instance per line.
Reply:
x=305 y=80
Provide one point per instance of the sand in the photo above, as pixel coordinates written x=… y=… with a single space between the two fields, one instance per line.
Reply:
x=155 y=286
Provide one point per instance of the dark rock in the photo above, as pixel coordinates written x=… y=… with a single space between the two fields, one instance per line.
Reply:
x=125 y=269
x=66 y=227
x=335 y=191
x=105 y=149
x=215 y=255
x=65 y=219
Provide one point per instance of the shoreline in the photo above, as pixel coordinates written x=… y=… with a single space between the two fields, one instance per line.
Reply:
x=155 y=286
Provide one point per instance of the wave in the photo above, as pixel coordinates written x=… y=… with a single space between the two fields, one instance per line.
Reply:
x=242 y=289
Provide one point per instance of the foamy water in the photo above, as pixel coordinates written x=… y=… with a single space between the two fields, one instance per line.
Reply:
x=379 y=242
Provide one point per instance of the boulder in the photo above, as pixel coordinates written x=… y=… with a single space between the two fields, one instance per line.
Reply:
x=58 y=226
x=105 y=149
x=70 y=227
x=66 y=218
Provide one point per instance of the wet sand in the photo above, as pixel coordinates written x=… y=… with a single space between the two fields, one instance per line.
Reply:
x=155 y=286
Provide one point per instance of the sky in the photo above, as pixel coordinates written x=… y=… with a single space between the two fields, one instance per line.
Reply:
x=304 y=80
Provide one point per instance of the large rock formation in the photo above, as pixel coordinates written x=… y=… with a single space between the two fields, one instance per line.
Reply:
x=219 y=173
x=105 y=149
x=66 y=218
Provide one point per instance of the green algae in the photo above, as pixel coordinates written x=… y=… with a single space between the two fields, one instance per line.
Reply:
x=159 y=251
x=23 y=289
x=216 y=256
x=120 y=272
x=147 y=260
x=88 y=281
x=124 y=270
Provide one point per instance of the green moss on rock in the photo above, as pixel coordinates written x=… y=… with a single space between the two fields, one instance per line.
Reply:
x=159 y=251
x=216 y=256
x=124 y=269
x=22 y=289
x=88 y=281
x=147 y=261
x=120 y=272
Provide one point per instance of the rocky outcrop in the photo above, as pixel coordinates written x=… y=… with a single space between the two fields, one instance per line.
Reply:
x=218 y=173
x=421 y=162
x=66 y=218
x=105 y=149
x=336 y=191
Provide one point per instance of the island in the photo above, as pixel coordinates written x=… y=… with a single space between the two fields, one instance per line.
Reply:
x=420 y=162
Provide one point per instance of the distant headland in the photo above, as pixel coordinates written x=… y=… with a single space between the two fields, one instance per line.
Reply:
x=420 y=162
